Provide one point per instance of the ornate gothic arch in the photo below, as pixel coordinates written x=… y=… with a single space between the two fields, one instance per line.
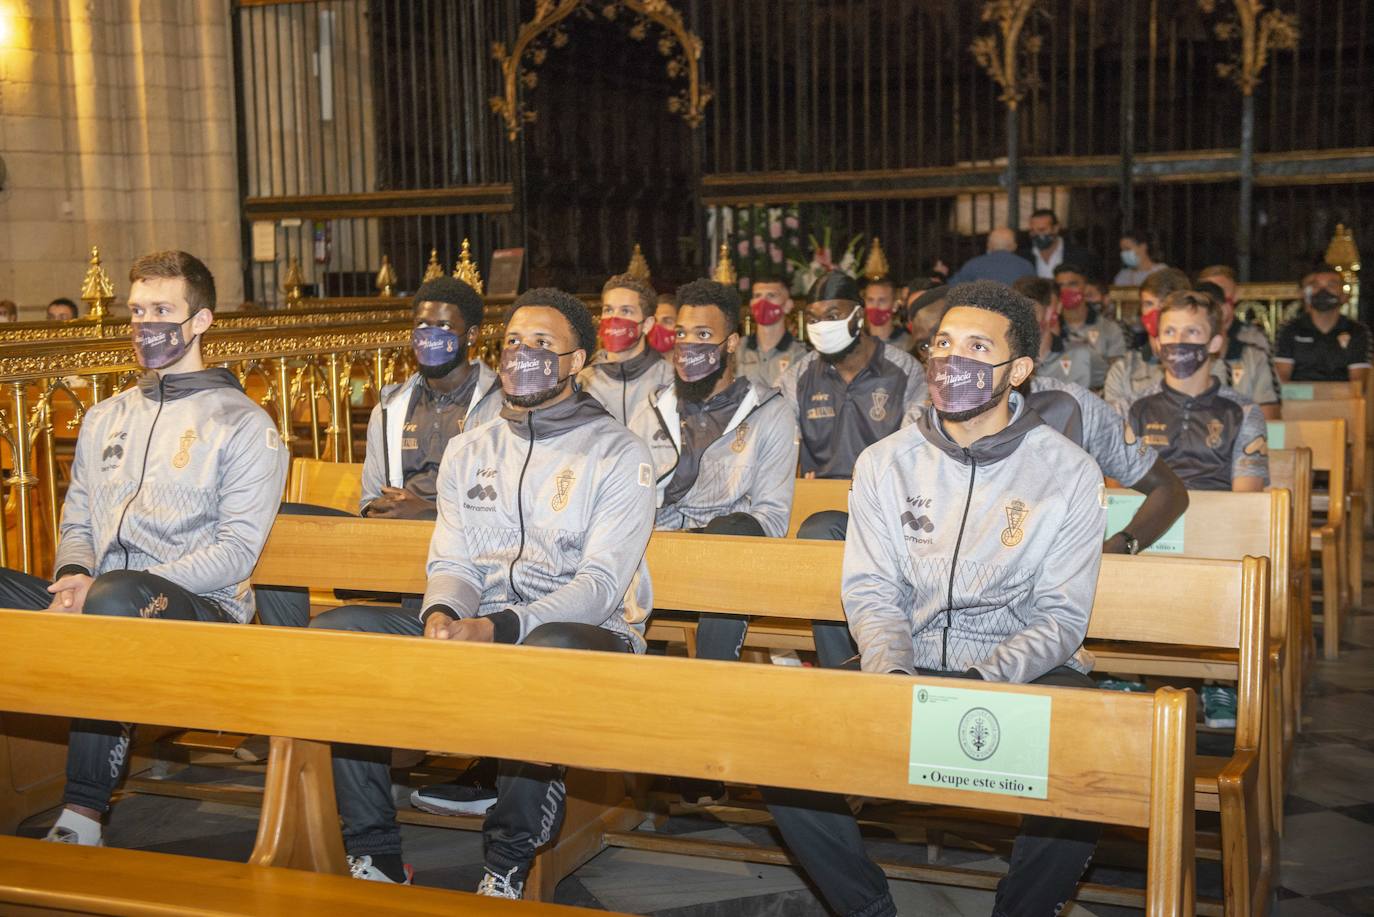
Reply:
x=681 y=47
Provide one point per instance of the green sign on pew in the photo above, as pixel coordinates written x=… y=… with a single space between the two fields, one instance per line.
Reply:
x=1296 y=391
x=984 y=741
x=1277 y=433
x=1120 y=510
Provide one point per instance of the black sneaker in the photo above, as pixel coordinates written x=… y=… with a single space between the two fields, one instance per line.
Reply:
x=472 y=793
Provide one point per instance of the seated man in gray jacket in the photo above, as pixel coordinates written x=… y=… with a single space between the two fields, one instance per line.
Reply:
x=965 y=559
x=627 y=369
x=724 y=447
x=174 y=488
x=410 y=426
x=543 y=521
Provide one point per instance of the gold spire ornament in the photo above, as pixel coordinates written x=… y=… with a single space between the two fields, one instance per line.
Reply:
x=97 y=290
x=639 y=267
x=466 y=271
x=725 y=268
x=1342 y=255
x=291 y=286
x=434 y=269
x=876 y=267
x=386 y=278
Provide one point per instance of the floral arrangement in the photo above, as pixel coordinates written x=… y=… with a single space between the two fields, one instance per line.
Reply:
x=771 y=239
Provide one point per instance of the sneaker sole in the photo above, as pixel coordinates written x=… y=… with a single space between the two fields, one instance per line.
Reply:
x=1219 y=724
x=447 y=807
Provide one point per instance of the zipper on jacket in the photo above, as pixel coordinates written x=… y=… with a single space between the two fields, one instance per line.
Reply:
x=143 y=472
x=520 y=511
x=954 y=564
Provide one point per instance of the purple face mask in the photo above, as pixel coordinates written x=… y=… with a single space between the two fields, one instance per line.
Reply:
x=959 y=384
x=529 y=370
x=696 y=361
x=434 y=346
x=159 y=344
x=1183 y=360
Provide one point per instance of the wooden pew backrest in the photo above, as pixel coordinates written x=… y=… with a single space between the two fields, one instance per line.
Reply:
x=814 y=495
x=338 y=485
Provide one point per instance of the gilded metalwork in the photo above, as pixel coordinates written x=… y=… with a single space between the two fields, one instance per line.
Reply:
x=1007 y=58
x=1259 y=32
x=725 y=267
x=386 y=278
x=639 y=265
x=434 y=269
x=678 y=44
x=1343 y=255
x=291 y=286
x=465 y=270
x=97 y=290
x=876 y=267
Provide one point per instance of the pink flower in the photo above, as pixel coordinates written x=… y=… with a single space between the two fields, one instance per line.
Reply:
x=744 y=283
x=791 y=222
x=743 y=248
x=759 y=243
x=775 y=229
x=775 y=253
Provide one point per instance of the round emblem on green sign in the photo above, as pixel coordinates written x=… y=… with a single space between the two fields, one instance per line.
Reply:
x=979 y=733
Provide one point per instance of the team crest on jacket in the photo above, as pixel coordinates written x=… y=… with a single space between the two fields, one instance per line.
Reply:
x=741 y=438
x=183 y=456
x=1214 y=428
x=1237 y=373
x=1016 y=517
x=563 y=484
x=878 y=413
x=1343 y=339
x=1093 y=335
x=1065 y=364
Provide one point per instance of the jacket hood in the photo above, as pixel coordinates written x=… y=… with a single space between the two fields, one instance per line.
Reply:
x=173 y=386
x=571 y=412
x=989 y=449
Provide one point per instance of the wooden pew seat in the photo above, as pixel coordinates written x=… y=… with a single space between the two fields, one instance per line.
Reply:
x=95 y=880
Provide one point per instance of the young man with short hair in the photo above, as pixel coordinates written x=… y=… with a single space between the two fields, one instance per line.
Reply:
x=661 y=336
x=1139 y=372
x=1244 y=366
x=766 y=354
x=174 y=488
x=1081 y=323
x=543 y=518
x=1224 y=277
x=1321 y=344
x=626 y=369
x=62 y=309
x=965 y=559
x=1058 y=358
x=1048 y=248
x=724 y=447
x=880 y=312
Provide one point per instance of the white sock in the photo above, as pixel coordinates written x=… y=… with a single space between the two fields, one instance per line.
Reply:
x=87 y=829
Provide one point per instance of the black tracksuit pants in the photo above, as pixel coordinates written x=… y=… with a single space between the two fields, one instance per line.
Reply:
x=97 y=750
x=1047 y=860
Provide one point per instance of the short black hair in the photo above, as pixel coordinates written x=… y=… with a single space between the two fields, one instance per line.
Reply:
x=770 y=275
x=1071 y=269
x=1322 y=268
x=1038 y=289
x=455 y=292
x=836 y=285
x=930 y=297
x=64 y=301
x=991 y=296
x=1211 y=289
x=1045 y=212
x=712 y=293
x=573 y=309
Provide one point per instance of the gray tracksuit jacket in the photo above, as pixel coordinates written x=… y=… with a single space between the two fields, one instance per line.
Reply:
x=386 y=428
x=551 y=528
x=974 y=558
x=622 y=387
x=181 y=477
x=751 y=468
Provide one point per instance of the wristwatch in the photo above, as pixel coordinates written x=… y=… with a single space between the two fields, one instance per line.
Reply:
x=1132 y=546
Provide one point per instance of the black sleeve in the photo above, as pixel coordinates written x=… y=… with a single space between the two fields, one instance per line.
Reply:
x=1283 y=346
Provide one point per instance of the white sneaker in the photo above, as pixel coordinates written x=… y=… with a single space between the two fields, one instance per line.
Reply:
x=495 y=885
x=58 y=835
x=362 y=868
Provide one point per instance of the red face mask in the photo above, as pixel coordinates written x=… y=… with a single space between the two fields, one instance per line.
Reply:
x=878 y=316
x=1151 y=322
x=765 y=311
x=619 y=334
x=662 y=338
x=1070 y=297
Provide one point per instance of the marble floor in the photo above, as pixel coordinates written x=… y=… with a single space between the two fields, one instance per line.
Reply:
x=1326 y=861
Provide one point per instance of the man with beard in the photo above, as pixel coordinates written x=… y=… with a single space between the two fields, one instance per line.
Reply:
x=627 y=369
x=1321 y=344
x=724 y=447
x=411 y=425
x=965 y=559
x=543 y=518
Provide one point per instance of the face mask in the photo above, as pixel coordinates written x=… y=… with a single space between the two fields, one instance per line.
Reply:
x=832 y=336
x=159 y=344
x=696 y=361
x=1130 y=259
x=1070 y=297
x=959 y=384
x=529 y=370
x=1183 y=360
x=1043 y=242
x=1151 y=322
x=1324 y=301
x=878 y=317
x=434 y=346
x=662 y=338
x=765 y=311
x=619 y=334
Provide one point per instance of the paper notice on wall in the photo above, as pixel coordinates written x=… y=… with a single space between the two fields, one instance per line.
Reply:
x=264 y=241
